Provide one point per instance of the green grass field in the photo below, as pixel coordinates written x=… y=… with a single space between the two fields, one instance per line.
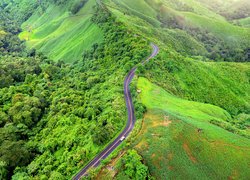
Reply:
x=59 y=34
x=177 y=140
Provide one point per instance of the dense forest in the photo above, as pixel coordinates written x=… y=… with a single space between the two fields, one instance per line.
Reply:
x=41 y=101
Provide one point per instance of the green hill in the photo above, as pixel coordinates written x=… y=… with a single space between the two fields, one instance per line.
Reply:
x=59 y=33
x=197 y=120
x=223 y=84
x=193 y=111
x=203 y=25
x=231 y=9
x=177 y=139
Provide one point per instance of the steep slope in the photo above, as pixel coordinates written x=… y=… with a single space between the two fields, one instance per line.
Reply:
x=177 y=139
x=189 y=77
x=71 y=111
x=197 y=120
x=62 y=33
x=231 y=9
x=201 y=26
x=56 y=116
x=223 y=84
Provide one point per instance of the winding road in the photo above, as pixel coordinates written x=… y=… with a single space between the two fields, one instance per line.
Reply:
x=130 y=123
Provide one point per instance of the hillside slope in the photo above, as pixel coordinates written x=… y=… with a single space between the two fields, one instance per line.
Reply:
x=55 y=116
x=177 y=139
x=62 y=33
x=182 y=64
x=195 y=26
x=197 y=120
x=231 y=9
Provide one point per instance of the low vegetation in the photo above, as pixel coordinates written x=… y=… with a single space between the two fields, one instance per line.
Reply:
x=221 y=84
x=78 y=5
x=177 y=139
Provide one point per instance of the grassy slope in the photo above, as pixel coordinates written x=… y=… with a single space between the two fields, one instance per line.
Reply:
x=173 y=148
x=226 y=6
x=233 y=35
x=201 y=17
x=61 y=35
x=223 y=84
x=176 y=39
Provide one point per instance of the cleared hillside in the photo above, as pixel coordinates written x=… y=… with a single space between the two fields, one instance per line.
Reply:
x=177 y=139
x=230 y=9
x=60 y=33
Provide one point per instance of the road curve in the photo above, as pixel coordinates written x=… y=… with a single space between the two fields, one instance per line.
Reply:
x=130 y=123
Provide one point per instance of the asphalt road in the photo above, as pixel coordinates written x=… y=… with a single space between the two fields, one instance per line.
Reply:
x=130 y=123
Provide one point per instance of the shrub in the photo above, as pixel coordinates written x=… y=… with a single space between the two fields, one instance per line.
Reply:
x=77 y=6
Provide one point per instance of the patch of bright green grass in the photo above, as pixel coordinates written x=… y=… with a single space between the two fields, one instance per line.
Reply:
x=155 y=97
x=59 y=34
x=177 y=141
x=219 y=83
x=140 y=6
x=141 y=9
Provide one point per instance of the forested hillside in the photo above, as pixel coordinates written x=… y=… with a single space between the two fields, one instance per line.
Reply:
x=62 y=67
x=54 y=116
